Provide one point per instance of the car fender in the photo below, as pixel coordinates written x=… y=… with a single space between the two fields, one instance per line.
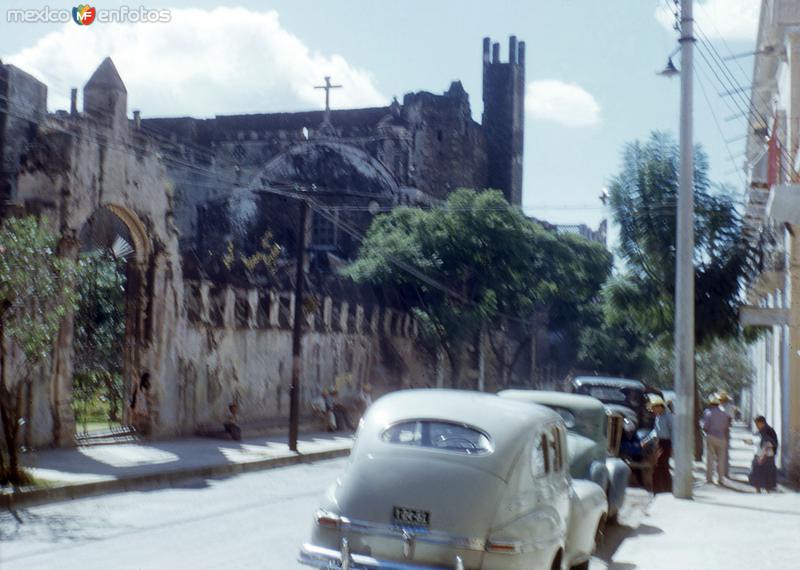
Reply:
x=619 y=474
x=588 y=506
x=598 y=472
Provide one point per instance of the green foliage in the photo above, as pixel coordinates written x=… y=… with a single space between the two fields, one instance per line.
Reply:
x=100 y=318
x=643 y=201
x=722 y=365
x=615 y=345
x=99 y=337
x=476 y=260
x=36 y=286
x=36 y=291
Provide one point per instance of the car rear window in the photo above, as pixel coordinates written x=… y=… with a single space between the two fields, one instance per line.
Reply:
x=447 y=436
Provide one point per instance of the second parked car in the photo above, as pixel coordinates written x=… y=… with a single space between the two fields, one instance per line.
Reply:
x=593 y=440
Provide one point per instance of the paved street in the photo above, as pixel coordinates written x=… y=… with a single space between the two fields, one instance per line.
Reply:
x=259 y=519
x=256 y=520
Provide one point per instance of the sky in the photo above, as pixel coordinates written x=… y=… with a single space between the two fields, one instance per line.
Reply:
x=591 y=70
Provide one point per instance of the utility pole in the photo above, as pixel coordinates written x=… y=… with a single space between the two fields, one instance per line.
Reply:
x=683 y=427
x=297 y=329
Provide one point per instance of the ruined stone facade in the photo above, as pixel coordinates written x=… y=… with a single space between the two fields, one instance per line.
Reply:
x=205 y=200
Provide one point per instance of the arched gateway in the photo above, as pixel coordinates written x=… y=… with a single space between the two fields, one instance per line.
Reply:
x=108 y=325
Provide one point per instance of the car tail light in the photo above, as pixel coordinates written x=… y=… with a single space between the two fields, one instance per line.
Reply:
x=327 y=520
x=504 y=546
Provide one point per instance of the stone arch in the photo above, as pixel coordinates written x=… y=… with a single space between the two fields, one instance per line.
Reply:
x=141 y=243
x=100 y=230
x=333 y=165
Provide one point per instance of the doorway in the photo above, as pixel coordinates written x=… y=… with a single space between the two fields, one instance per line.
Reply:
x=105 y=304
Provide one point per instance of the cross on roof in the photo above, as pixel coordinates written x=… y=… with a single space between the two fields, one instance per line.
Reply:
x=327 y=87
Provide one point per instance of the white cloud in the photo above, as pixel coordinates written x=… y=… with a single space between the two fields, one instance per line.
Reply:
x=565 y=103
x=731 y=20
x=222 y=61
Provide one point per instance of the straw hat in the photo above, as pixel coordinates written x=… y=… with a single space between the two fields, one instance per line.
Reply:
x=723 y=397
x=656 y=401
x=713 y=401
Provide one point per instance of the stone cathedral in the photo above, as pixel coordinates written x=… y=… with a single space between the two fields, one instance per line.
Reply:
x=202 y=202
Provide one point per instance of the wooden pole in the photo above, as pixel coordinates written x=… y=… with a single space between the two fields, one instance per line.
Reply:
x=297 y=330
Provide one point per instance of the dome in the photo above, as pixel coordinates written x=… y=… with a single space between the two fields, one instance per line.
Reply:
x=330 y=166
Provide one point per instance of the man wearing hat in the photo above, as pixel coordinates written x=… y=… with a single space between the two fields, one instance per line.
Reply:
x=662 y=479
x=726 y=406
x=716 y=425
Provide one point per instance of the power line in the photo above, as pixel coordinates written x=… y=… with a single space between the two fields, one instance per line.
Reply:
x=750 y=105
x=716 y=122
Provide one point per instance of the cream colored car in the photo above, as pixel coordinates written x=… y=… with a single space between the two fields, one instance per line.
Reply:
x=452 y=479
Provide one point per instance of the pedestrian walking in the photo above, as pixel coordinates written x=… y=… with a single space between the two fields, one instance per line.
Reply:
x=340 y=412
x=726 y=405
x=365 y=397
x=716 y=425
x=662 y=479
x=330 y=416
x=763 y=473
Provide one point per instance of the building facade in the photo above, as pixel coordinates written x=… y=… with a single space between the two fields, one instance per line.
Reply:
x=772 y=218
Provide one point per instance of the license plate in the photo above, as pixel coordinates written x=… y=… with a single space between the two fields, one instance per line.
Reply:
x=411 y=517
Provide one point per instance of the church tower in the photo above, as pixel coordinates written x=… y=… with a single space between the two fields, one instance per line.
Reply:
x=105 y=96
x=504 y=116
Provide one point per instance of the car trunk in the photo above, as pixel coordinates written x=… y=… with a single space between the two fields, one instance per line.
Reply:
x=456 y=500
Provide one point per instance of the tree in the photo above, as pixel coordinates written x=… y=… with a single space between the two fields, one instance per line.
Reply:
x=99 y=333
x=722 y=365
x=471 y=264
x=615 y=345
x=643 y=198
x=36 y=291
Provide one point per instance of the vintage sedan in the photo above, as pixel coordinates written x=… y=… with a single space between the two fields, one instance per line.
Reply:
x=594 y=434
x=632 y=394
x=455 y=479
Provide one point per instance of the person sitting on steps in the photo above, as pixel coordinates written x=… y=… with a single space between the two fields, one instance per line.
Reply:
x=232 y=422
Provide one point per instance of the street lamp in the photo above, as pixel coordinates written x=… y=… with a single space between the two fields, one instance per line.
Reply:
x=669 y=70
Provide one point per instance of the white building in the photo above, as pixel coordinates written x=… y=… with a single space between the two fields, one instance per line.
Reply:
x=773 y=221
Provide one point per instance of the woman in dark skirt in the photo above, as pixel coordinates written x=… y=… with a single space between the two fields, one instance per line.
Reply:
x=764 y=474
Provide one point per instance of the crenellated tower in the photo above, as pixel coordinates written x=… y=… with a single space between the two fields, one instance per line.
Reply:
x=504 y=116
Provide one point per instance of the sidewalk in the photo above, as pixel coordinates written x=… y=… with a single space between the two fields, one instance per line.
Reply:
x=93 y=470
x=727 y=527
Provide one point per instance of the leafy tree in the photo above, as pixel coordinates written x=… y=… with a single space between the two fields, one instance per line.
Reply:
x=643 y=201
x=36 y=291
x=616 y=345
x=99 y=335
x=724 y=364
x=475 y=262
x=643 y=198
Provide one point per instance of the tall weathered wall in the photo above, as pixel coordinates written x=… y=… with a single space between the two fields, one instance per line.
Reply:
x=238 y=347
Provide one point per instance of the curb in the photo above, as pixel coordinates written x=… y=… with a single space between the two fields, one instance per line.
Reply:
x=9 y=501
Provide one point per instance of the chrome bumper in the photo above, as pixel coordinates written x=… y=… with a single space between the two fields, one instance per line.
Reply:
x=331 y=559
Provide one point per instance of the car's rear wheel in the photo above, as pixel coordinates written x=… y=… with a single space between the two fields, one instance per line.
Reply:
x=557 y=561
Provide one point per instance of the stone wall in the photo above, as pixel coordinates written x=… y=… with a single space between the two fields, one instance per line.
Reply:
x=238 y=347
